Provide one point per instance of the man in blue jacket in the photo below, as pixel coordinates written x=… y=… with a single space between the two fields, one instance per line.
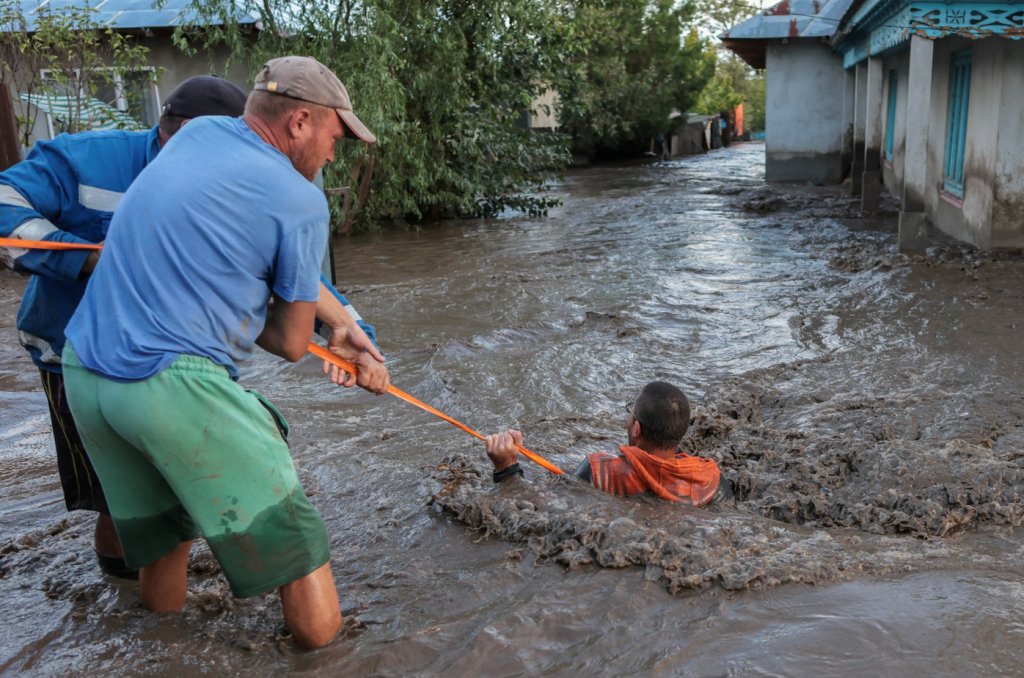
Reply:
x=67 y=190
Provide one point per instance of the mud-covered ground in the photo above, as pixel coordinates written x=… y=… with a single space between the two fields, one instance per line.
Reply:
x=865 y=409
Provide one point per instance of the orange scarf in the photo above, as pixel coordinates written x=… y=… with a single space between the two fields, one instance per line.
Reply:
x=687 y=479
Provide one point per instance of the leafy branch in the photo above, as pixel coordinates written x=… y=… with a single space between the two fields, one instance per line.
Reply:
x=64 y=57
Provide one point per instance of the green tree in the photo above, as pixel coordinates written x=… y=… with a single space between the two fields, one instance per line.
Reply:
x=719 y=95
x=753 y=109
x=718 y=16
x=63 y=56
x=734 y=77
x=735 y=82
x=443 y=84
x=634 y=63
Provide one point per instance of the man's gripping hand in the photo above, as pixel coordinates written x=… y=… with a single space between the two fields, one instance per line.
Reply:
x=352 y=344
x=501 y=448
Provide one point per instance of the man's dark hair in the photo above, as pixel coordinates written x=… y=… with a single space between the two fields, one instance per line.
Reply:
x=664 y=414
x=170 y=124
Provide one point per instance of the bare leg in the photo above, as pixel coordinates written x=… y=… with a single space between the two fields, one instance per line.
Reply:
x=164 y=584
x=106 y=537
x=311 y=608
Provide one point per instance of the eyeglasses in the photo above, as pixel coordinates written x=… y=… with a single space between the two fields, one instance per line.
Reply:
x=629 y=408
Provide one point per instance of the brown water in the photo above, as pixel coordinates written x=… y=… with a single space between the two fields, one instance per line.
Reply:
x=867 y=409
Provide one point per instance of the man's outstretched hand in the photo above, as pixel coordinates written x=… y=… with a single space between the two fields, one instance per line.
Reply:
x=352 y=344
x=501 y=448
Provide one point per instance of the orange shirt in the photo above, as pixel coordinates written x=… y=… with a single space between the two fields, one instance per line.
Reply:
x=691 y=480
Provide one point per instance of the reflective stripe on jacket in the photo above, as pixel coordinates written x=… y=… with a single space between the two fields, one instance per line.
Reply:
x=65 y=190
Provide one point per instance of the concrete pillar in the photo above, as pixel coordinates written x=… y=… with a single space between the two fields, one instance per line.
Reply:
x=849 y=99
x=859 y=110
x=871 y=186
x=913 y=219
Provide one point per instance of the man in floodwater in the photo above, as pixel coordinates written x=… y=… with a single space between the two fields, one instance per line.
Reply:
x=657 y=420
x=66 y=190
x=216 y=248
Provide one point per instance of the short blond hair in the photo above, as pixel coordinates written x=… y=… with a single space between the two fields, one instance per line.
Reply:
x=273 y=107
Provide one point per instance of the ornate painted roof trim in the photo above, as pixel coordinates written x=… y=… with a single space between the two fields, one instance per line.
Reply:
x=880 y=33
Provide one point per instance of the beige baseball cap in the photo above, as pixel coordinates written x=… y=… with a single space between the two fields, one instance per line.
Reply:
x=307 y=79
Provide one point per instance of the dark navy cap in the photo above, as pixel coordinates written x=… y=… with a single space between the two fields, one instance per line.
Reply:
x=205 y=95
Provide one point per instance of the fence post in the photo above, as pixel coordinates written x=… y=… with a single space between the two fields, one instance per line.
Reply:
x=10 y=149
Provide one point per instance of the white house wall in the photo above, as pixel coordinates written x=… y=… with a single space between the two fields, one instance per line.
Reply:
x=804 y=111
x=179 y=67
x=1008 y=201
x=981 y=150
x=972 y=221
x=810 y=109
x=544 y=110
x=892 y=171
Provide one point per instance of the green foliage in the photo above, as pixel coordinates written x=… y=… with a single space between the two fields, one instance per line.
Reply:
x=718 y=16
x=634 y=62
x=753 y=109
x=749 y=84
x=443 y=85
x=64 y=56
x=719 y=95
x=735 y=82
x=734 y=77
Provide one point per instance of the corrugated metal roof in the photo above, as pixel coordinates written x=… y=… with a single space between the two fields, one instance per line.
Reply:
x=787 y=19
x=126 y=13
x=792 y=19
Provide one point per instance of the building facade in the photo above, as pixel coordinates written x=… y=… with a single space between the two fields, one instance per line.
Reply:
x=805 y=87
x=152 y=29
x=933 y=109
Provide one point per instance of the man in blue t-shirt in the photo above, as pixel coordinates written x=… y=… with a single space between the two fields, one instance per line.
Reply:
x=215 y=249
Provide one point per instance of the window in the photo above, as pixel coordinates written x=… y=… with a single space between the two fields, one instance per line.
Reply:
x=133 y=94
x=956 y=134
x=890 y=127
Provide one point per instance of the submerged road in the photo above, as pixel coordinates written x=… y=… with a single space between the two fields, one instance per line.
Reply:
x=867 y=409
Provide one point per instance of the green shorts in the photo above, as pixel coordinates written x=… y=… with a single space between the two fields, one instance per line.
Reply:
x=189 y=448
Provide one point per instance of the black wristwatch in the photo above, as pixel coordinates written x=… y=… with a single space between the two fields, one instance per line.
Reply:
x=513 y=470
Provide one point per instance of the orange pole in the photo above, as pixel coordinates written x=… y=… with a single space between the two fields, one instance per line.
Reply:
x=315 y=349
x=321 y=352
x=47 y=245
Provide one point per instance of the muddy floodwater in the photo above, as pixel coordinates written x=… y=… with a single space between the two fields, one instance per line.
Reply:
x=865 y=408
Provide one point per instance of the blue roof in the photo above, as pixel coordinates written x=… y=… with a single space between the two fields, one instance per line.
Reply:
x=792 y=19
x=786 y=19
x=126 y=13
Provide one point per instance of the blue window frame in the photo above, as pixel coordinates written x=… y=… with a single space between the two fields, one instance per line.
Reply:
x=956 y=134
x=890 y=127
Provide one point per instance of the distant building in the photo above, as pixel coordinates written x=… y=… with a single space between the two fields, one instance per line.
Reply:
x=543 y=111
x=926 y=97
x=153 y=29
x=698 y=134
x=804 y=87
